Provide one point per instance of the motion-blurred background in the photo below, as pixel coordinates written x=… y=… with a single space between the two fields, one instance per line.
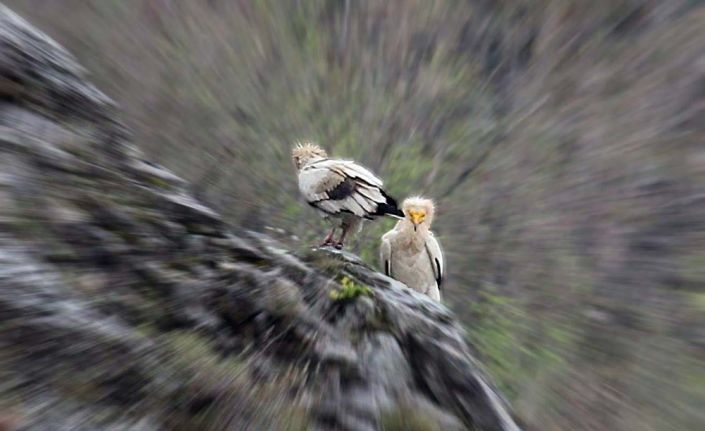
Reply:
x=563 y=141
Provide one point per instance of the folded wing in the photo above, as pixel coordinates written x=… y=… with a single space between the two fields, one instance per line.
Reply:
x=436 y=256
x=342 y=186
x=385 y=255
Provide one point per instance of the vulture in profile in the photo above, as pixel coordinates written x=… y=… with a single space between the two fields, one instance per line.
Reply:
x=341 y=190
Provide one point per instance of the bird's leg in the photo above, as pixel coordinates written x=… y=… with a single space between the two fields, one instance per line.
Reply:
x=339 y=244
x=329 y=239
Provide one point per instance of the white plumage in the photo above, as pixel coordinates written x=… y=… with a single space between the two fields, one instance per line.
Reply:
x=341 y=185
x=411 y=253
x=341 y=189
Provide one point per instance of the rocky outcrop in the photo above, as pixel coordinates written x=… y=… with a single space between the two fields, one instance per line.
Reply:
x=127 y=304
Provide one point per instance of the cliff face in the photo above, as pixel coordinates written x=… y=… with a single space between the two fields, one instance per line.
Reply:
x=127 y=304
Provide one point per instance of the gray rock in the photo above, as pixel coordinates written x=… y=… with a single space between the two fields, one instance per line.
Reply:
x=125 y=303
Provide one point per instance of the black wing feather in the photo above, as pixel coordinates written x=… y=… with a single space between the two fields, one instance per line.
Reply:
x=439 y=279
x=343 y=190
x=389 y=207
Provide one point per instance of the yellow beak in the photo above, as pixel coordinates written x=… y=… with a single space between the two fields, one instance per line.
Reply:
x=416 y=217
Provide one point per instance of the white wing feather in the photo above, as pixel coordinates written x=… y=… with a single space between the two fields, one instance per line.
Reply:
x=370 y=192
x=351 y=205
x=436 y=256
x=365 y=204
x=331 y=207
x=315 y=181
x=351 y=169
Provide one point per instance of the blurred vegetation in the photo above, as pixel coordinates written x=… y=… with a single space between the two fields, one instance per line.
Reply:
x=562 y=140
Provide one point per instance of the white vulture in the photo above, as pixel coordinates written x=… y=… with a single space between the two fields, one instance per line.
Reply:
x=340 y=189
x=410 y=253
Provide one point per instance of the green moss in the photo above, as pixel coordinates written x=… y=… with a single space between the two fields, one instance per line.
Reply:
x=158 y=182
x=697 y=300
x=194 y=351
x=350 y=290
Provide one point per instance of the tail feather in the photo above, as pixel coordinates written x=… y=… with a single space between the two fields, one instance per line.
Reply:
x=389 y=207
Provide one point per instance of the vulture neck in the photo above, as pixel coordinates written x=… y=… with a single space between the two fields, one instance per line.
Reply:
x=413 y=239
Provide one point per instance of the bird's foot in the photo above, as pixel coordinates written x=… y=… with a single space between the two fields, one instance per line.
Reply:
x=338 y=245
x=328 y=243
